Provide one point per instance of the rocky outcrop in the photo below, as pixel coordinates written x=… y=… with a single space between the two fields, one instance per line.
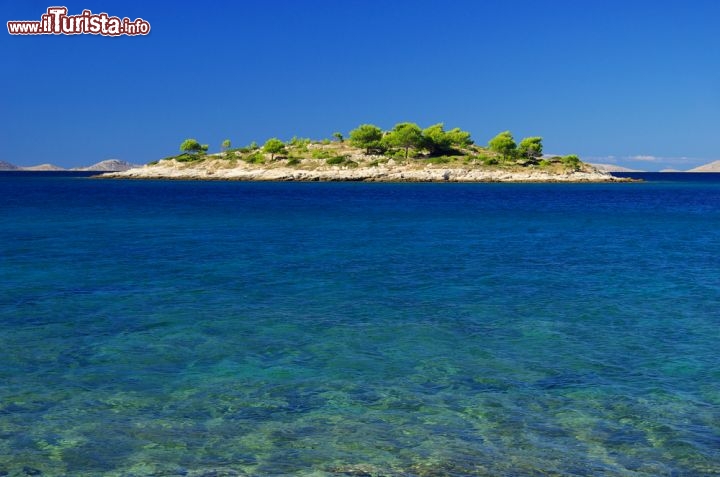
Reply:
x=389 y=172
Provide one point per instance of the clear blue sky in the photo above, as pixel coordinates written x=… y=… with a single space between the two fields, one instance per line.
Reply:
x=631 y=82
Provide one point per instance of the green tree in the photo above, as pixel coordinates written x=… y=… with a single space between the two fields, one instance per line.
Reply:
x=435 y=139
x=226 y=144
x=571 y=161
x=338 y=136
x=503 y=144
x=299 y=141
x=366 y=136
x=191 y=146
x=438 y=141
x=274 y=146
x=531 y=148
x=406 y=136
x=459 y=138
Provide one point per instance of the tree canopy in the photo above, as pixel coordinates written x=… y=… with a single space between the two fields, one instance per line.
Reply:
x=192 y=146
x=438 y=141
x=366 y=136
x=530 y=148
x=571 y=161
x=443 y=146
x=503 y=144
x=274 y=146
x=406 y=136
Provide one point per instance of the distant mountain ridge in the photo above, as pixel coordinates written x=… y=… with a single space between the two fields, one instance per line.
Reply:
x=109 y=165
x=710 y=167
x=42 y=167
x=613 y=168
x=6 y=166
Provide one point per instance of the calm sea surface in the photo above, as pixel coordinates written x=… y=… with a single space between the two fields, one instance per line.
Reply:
x=168 y=328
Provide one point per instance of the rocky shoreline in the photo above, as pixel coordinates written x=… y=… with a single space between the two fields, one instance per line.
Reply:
x=218 y=169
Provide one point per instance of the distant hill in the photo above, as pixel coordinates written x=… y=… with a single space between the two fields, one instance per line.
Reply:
x=711 y=167
x=110 y=165
x=43 y=167
x=670 y=170
x=6 y=166
x=613 y=168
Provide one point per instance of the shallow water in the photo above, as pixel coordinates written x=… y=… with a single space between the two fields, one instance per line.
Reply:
x=207 y=328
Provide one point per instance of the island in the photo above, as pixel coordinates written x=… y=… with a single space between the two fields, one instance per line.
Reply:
x=406 y=153
x=108 y=165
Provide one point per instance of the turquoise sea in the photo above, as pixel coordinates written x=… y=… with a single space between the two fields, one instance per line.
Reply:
x=171 y=328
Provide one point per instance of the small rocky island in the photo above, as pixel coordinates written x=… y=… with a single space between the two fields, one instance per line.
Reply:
x=404 y=154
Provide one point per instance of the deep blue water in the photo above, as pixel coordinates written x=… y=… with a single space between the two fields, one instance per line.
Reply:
x=168 y=328
x=706 y=177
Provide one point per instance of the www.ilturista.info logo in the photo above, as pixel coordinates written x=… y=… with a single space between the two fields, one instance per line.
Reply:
x=57 y=22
